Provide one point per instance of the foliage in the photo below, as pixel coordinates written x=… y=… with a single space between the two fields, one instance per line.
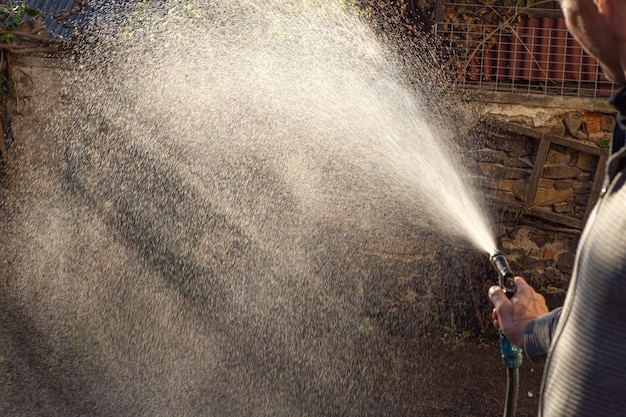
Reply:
x=141 y=10
x=367 y=326
x=414 y=14
x=454 y=335
x=11 y=17
x=493 y=12
x=185 y=11
x=82 y=348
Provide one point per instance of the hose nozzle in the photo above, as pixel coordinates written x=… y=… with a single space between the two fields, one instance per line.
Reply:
x=506 y=278
x=511 y=354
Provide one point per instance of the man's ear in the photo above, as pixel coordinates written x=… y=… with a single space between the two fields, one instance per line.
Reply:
x=601 y=5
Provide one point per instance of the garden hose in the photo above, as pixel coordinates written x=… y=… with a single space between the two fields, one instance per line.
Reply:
x=511 y=354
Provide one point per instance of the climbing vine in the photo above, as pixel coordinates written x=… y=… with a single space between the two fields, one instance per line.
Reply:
x=11 y=17
x=13 y=20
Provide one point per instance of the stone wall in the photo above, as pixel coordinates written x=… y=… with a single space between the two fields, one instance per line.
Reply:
x=541 y=164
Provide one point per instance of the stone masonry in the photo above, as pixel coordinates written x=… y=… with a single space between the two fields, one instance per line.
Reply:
x=542 y=192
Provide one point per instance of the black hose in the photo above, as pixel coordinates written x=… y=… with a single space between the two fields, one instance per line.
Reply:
x=512 y=391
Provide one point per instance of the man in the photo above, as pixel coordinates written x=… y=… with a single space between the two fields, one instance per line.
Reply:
x=585 y=340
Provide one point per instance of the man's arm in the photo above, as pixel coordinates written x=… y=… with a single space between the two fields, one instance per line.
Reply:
x=538 y=335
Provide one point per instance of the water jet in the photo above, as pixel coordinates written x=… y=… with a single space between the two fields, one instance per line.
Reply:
x=206 y=235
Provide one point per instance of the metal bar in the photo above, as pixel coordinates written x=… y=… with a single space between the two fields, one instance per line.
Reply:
x=440 y=10
x=534 y=54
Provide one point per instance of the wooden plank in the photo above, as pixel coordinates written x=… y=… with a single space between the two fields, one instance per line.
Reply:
x=577 y=145
x=545 y=141
x=513 y=128
x=596 y=188
x=533 y=133
x=549 y=215
x=535 y=100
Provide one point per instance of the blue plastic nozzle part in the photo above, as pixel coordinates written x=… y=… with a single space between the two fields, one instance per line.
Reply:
x=511 y=353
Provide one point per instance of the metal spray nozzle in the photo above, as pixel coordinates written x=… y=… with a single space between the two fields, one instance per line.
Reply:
x=506 y=278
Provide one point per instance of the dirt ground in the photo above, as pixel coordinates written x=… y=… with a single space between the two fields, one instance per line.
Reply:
x=91 y=338
x=473 y=382
x=434 y=377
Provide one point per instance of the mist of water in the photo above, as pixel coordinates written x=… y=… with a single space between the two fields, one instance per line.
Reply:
x=197 y=241
x=329 y=92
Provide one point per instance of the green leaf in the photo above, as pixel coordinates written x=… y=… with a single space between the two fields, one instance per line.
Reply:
x=34 y=13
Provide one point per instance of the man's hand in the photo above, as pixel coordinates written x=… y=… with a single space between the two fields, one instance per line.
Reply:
x=512 y=315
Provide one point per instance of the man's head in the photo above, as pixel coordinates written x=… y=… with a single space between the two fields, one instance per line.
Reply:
x=599 y=25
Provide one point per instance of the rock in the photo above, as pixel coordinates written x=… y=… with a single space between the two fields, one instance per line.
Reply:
x=558 y=157
x=547 y=197
x=500 y=184
x=582 y=199
x=565 y=261
x=543 y=119
x=503 y=195
x=555 y=297
x=585 y=176
x=558 y=129
x=546 y=183
x=520 y=120
x=572 y=122
x=517 y=173
x=519 y=190
x=579 y=186
x=562 y=185
x=517 y=148
x=549 y=123
x=599 y=137
x=549 y=255
x=593 y=122
x=586 y=162
x=560 y=172
x=524 y=162
x=490 y=155
x=580 y=215
x=490 y=170
x=581 y=135
x=565 y=207
x=550 y=273
x=608 y=121
x=501 y=172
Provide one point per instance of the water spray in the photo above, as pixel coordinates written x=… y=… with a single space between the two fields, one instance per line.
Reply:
x=511 y=354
